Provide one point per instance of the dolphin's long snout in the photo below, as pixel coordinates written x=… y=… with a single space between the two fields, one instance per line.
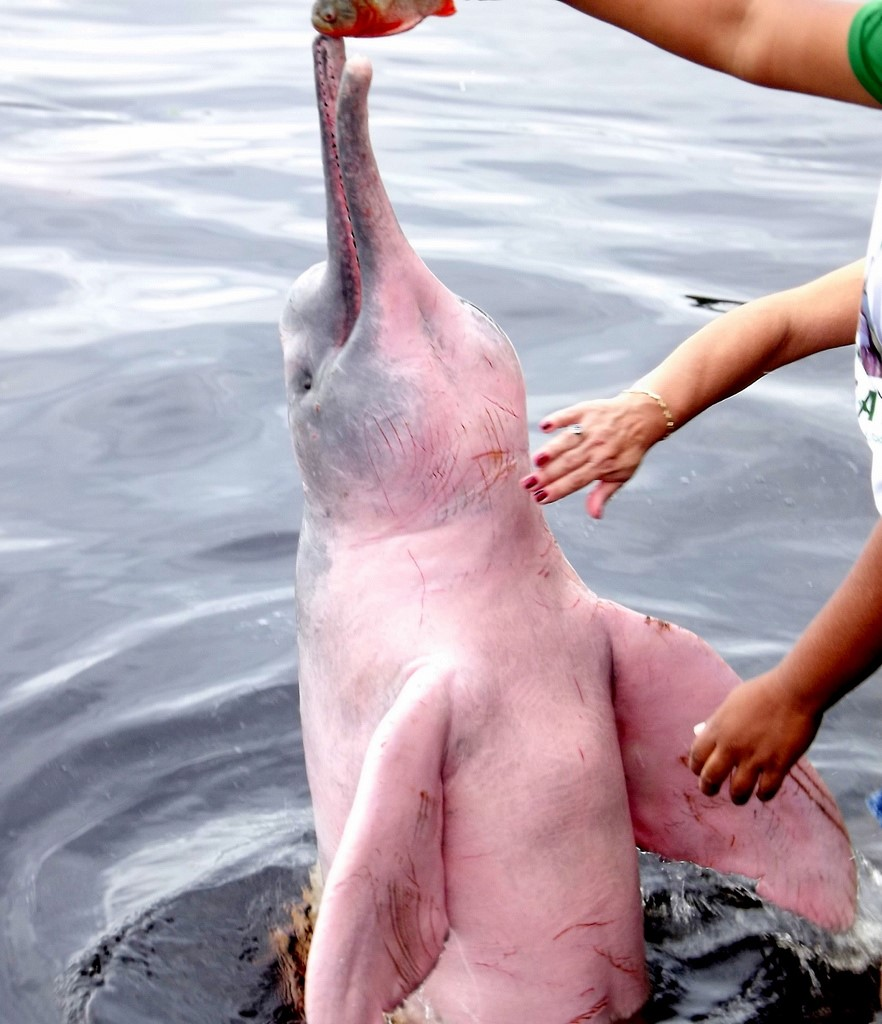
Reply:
x=385 y=256
x=343 y=271
x=367 y=251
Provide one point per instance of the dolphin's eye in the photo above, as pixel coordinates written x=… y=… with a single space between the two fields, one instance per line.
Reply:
x=304 y=382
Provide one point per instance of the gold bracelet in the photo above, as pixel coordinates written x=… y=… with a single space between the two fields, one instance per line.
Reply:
x=659 y=401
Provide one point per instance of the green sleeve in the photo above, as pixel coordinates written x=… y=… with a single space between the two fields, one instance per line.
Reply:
x=865 y=48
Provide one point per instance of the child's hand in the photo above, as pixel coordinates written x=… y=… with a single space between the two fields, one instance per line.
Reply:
x=605 y=440
x=754 y=738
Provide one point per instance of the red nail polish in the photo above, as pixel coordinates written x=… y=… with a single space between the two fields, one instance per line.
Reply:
x=540 y=495
x=540 y=460
x=529 y=482
x=545 y=425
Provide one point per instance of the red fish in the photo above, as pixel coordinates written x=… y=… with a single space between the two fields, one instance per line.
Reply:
x=375 y=17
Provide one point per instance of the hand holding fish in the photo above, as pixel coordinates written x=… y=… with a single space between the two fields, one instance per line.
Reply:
x=375 y=17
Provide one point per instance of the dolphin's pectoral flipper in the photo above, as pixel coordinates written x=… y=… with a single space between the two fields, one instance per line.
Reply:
x=666 y=680
x=383 y=918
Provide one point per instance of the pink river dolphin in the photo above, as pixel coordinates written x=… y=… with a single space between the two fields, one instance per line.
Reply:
x=486 y=739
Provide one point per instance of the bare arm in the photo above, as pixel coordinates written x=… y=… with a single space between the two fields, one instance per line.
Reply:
x=767 y=723
x=798 y=45
x=734 y=350
x=724 y=357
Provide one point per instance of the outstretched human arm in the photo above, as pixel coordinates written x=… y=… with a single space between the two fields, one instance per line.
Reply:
x=721 y=359
x=798 y=45
x=763 y=727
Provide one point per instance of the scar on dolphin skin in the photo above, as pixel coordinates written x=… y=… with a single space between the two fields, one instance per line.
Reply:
x=499 y=405
x=494 y=454
x=424 y=585
x=424 y=813
x=501 y=465
x=377 y=474
x=581 y=924
x=400 y=899
x=495 y=967
x=592 y=1013
x=801 y=779
x=391 y=424
x=411 y=875
x=697 y=814
x=414 y=442
x=816 y=795
x=623 y=964
x=658 y=623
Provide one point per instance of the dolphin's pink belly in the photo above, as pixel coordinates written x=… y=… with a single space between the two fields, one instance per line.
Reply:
x=541 y=883
x=527 y=693
x=529 y=824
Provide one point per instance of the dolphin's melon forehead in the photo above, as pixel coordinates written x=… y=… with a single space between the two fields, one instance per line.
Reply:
x=359 y=66
x=302 y=296
x=307 y=284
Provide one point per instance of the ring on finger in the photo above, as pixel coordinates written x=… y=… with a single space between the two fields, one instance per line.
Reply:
x=575 y=428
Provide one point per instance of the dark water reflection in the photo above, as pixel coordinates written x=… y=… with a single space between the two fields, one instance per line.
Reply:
x=159 y=189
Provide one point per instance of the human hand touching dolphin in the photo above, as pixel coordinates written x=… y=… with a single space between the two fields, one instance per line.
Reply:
x=374 y=17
